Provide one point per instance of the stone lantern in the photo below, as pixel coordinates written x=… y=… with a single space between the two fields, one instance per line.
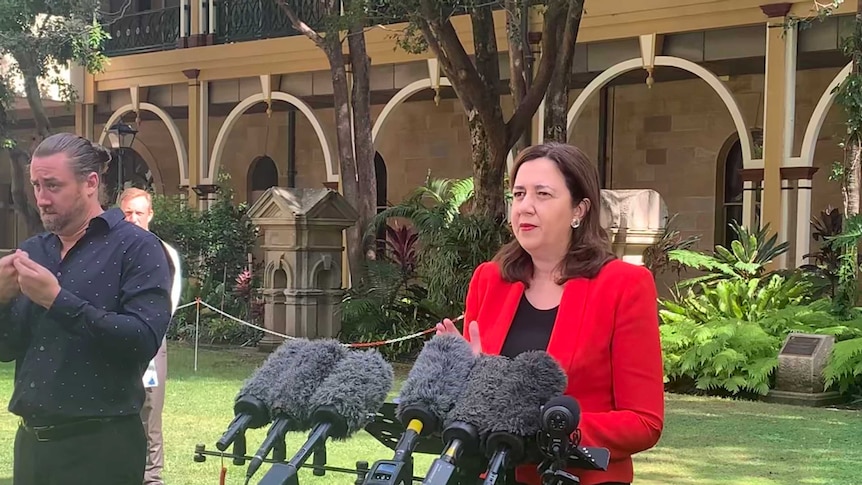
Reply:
x=301 y=241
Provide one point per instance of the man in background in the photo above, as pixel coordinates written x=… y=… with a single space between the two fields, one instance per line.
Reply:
x=137 y=205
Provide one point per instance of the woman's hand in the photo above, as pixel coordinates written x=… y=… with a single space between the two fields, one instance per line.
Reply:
x=448 y=326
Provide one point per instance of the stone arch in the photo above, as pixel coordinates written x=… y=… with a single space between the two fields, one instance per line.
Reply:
x=136 y=173
x=402 y=96
x=244 y=105
x=176 y=136
x=325 y=274
x=277 y=275
x=144 y=151
x=815 y=123
x=668 y=61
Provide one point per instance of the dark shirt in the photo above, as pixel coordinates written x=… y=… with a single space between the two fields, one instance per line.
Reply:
x=86 y=355
x=531 y=329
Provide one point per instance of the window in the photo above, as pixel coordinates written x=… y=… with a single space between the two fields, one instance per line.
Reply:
x=731 y=199
x=730 y=189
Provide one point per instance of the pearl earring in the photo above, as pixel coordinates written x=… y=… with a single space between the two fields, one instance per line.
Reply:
x=576 y=223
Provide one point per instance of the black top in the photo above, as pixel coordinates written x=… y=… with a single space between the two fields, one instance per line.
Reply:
x=530 y=330
x=86 y=355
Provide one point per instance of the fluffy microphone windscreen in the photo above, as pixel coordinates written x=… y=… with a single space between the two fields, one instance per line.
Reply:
x=438 y=377
x=355 y=389
x=481 y=400
x=295 y=385
x=535 y=378
x=261 y=383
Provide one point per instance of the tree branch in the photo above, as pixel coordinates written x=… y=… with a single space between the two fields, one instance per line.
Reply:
x=301 y=26
x=488 y=69
x=557 y=97
x=516 y=37
x=18 y=160
x=458 y=68
x=525 y=111
x=434 y=45
x=34 y=100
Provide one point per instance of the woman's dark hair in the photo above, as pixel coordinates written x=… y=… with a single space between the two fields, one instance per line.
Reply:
x=85 y=157
x=590 y=246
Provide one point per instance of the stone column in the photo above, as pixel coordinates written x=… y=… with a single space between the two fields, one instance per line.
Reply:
x=801 y=179
x=780 y=61
x=752 y=186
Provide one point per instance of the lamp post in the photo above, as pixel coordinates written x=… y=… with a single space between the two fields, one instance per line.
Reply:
x=125 y=137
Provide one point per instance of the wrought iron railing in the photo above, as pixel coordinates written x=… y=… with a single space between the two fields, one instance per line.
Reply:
x=150 y=31
x=240 y=20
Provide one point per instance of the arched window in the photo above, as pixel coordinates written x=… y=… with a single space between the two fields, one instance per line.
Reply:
x=729 y=188
x=380 y=174
x=262 y=174
x=382 y=204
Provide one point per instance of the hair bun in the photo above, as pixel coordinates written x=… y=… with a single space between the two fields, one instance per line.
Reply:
x=103 y=156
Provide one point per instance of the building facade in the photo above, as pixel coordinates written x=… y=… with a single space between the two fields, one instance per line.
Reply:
x=720 y=106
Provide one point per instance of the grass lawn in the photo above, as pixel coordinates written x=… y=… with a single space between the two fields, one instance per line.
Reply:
x=706 y=441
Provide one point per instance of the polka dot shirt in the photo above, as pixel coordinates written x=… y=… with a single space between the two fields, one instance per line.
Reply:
x=86 y=355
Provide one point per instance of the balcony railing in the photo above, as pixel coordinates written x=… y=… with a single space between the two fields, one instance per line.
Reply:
x=241 y=20
x=235 y=21
x=150 y=31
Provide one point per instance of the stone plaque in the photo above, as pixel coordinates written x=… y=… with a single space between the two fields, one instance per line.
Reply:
x=799 y=377
x=798 y=345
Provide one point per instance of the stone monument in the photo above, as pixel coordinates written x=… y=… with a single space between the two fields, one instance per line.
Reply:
x=635 y=219
x=301 y=241
x=799 y=377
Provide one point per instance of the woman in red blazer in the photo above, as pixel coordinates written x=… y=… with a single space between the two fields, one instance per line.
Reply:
x=558 y=287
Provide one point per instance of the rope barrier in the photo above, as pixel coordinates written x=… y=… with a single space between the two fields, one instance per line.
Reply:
x=198 y=303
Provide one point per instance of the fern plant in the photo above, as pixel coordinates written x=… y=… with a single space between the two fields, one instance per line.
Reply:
x=430 y=207
x=726 y=336
x=746 y=258
x=845 y=364
x=721 y=354
x=656 y=257
x=451 y=242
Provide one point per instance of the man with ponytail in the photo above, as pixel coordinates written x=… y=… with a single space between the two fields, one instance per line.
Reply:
x=84 y=307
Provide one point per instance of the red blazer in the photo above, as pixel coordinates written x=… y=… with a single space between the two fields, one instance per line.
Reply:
x=606 y=339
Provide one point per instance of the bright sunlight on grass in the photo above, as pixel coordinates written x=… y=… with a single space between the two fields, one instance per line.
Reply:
x=706 y=441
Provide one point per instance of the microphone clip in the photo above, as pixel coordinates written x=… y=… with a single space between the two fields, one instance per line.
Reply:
x=557 y=448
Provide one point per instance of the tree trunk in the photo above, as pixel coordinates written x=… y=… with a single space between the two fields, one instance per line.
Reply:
x=520 y=73
x=853 y=150
x=489 y=164
x=18 y=160
x=851 y=178
x=344 y=139
x=364 y=148
x=557 y=96
x=34 y=100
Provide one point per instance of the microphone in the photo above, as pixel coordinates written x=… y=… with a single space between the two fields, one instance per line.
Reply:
x=252 y=404
x=560 y=418
x=468 y=419
x=433 y=386
x=343 y=404
x=292 y=391
x=534 y=379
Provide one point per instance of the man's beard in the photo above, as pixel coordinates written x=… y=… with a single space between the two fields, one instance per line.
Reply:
x=56 y=222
